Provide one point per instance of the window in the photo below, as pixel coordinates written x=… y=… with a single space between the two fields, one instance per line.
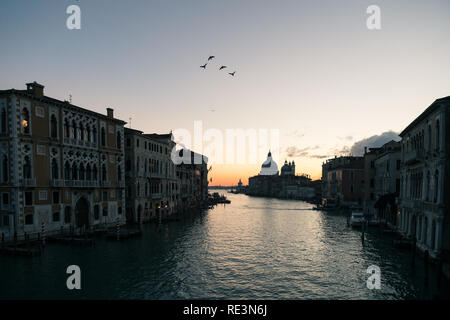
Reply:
x=67 y=170
x=56 y=217
x=55 y=173
x=119 y=173
x=55 y=197
x=3 y=121
x=438 y=135
x=119 y=211
x=53 y=127
x=29 y=219
x=5 y=172
x=74 y=172
x=105 y=196
x=73 y=130
x=67 y=214
x=128 y=142
x=96 y=212
x=5 y=199
x=27 y=168
x=105 y=212
x=103 y=172
x=436 y=186
x=88 y=172
x=29 y=198
x=137 y=143
x=103 y=136
x=119 y=140
x=26 y=121
x=66 y=128
x=42 y=195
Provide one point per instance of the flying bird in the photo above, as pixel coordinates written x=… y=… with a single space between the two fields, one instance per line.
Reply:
x=232 y=73
x=222 y=67
x=203 y=66
x=211 y=57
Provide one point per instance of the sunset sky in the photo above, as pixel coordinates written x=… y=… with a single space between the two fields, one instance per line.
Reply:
x=311 y=69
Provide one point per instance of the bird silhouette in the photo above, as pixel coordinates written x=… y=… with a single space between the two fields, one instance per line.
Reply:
x=232 y=73
x=222 y=67
x=211 y=57
x=204 y=66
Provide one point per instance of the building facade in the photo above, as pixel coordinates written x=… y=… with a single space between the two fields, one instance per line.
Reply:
x=424 y=200
x=62 y=165
x=344 y=180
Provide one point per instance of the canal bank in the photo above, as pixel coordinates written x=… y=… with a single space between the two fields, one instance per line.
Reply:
x=252 y=248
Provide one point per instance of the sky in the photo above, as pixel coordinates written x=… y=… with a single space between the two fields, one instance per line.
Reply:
x=311 y=70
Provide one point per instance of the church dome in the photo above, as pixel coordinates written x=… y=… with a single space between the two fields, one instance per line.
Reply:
x=269 y=167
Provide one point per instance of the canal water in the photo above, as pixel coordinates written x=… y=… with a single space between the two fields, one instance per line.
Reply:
x=253 y=248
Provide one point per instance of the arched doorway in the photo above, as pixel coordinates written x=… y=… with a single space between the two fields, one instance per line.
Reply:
x=82 y=213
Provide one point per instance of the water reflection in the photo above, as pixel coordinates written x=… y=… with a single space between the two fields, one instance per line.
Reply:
x=253 y=248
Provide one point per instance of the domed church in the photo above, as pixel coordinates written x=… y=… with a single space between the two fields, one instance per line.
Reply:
x=269 y=167
x=288 y=169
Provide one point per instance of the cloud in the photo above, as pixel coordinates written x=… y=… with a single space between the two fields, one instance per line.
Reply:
x=294 y=152
x=375 y=141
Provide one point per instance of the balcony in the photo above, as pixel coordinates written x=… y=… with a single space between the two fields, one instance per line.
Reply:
x=57 y=183
x=156 y=195
x=413 y=156
x=29 y=182
x=105 y=183
x=156 y=175
x=80 y=183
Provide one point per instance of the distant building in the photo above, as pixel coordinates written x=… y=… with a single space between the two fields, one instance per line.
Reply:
x=343 y=178
x=286 y=185
x=424 y=201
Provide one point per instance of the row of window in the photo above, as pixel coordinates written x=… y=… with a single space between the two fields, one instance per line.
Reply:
x=417 y=142
x=56 y=216
x=71 y=130
x=414 y=186
x=148 y=146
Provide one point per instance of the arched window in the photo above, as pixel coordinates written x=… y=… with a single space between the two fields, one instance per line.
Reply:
x=428 y=186
x=103 y=136
x=429 y=137
x=66 y=128
x=3 y=121
x=436 y=186
x=5 y=173
x=53 y=127
x=73 y=130
x=81 y=131
x=55 y=174
x=119 y=140
x=103 y=172
x=433 y=234
x=26 y=121
x=81 y=172
x=88 y=172
x=67 y=171
x=138 y=189
x=74 y=172
x=94 y=135
x=27 y=168
x=438 y=136
x=88 y=134
x=94 y=173
x=67 y=214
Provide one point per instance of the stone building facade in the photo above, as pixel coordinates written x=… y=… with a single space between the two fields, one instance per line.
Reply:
x=62 y=165
x=424 y=200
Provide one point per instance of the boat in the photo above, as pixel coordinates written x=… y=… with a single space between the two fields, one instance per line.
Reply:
x=357 y=220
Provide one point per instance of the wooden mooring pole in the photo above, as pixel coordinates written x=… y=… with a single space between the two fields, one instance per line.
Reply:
x=43 y=233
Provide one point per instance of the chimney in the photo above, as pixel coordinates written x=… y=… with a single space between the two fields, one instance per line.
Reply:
x=365 y=150
x=35 y=89
x=110 y=112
